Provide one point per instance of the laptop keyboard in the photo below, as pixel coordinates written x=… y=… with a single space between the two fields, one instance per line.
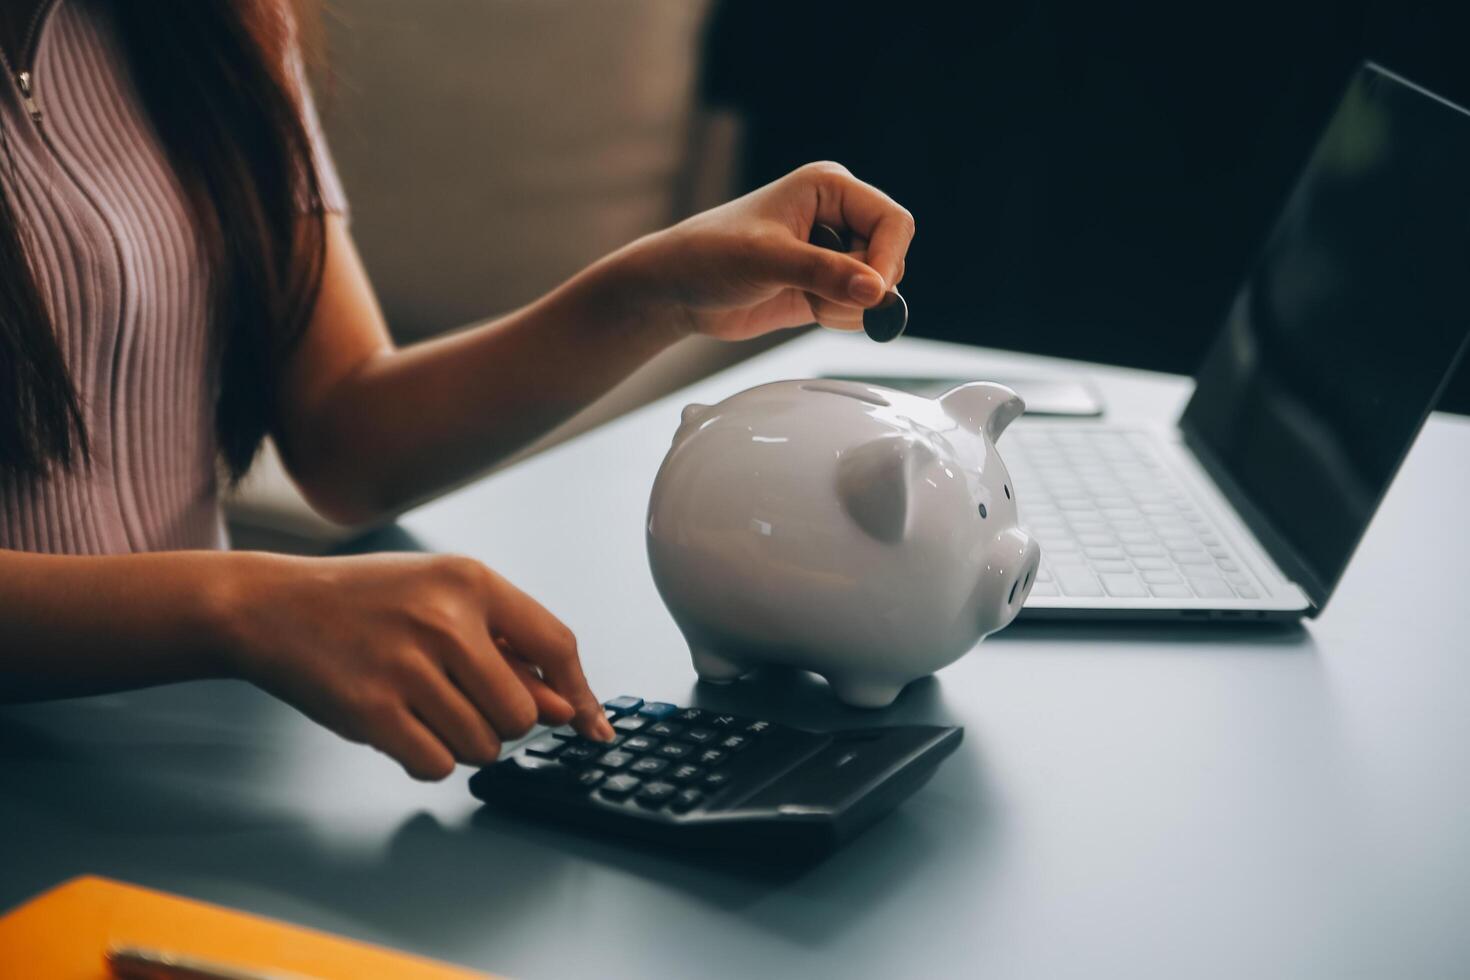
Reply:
x=1113 y=521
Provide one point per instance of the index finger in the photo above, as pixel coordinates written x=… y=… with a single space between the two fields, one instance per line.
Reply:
x=866 y=212
x=539 y=638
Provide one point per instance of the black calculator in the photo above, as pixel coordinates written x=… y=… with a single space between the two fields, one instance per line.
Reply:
x=703 y=778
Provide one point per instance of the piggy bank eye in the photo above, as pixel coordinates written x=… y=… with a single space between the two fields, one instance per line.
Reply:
x=983 y=514
x=1007 y=488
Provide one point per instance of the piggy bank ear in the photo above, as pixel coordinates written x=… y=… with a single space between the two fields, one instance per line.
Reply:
x=983 y=406
x=873 y=482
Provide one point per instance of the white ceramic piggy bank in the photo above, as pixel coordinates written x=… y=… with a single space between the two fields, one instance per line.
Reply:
x=859 y=532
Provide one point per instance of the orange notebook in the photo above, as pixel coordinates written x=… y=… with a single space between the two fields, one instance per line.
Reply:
x=65 y=934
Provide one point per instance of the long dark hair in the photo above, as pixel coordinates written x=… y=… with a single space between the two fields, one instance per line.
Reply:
x=218 y=80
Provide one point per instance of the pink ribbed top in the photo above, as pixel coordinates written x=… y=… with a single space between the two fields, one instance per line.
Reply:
x=114 y=248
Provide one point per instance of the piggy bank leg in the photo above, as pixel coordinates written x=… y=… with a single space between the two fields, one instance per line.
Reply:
x=714 y=667
x=864 y=692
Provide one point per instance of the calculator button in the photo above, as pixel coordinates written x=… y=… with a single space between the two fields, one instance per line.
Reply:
x=724 y=721
x=699 y=736
x=616 y=741
x=619 y=786
x=656 y=794
x=630 y=724
x=579 y=752
x=616 y=759
x=675 y=750
x=564 y=731
x=639 y=743
x=686 y=800
x=757 y=727
x=689 y=715
x=591 y=777
x=648 y=765
x=711 y=757
x=684 y=773
x=734 y=743
x=717 y=780
x=665 y=729
x=658 y=710
x=546 y=746
x=623 y=704
x=539 y=768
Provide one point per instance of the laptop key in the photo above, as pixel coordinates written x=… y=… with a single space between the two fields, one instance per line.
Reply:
x=1171 y=591
x=1162 y=576
x=1124 y=586
x=1210 y=586
x=1077 y=581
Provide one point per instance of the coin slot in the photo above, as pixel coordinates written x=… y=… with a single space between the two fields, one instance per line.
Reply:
x=857 y=394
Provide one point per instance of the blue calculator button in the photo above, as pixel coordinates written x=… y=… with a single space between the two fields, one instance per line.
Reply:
x=658 y=710
x=623 y=704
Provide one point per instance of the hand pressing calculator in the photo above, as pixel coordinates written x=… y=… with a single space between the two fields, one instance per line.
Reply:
x=702 y=778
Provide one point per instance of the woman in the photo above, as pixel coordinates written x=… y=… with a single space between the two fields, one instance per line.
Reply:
x=177 y=281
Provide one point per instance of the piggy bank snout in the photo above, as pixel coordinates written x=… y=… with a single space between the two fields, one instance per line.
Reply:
x=1018 y=556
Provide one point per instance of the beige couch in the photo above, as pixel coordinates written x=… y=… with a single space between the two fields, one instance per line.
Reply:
x=490 y=148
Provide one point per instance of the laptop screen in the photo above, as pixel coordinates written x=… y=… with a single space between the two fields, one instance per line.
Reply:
x=1347 y=329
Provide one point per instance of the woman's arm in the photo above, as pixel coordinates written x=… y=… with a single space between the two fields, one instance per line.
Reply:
x=80 y=625
x=431 y=659
x=366 y=429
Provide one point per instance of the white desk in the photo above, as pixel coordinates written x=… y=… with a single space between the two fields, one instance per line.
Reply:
x=1130 y=801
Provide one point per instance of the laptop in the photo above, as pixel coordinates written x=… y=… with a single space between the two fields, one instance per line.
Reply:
x=1335 y=350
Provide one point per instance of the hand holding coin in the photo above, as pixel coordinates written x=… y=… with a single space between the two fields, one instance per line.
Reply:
x=883 y=322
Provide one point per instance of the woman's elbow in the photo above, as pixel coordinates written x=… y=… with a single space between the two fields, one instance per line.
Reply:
x=339 y=495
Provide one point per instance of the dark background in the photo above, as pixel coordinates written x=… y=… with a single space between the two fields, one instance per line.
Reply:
x=1089 y=180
